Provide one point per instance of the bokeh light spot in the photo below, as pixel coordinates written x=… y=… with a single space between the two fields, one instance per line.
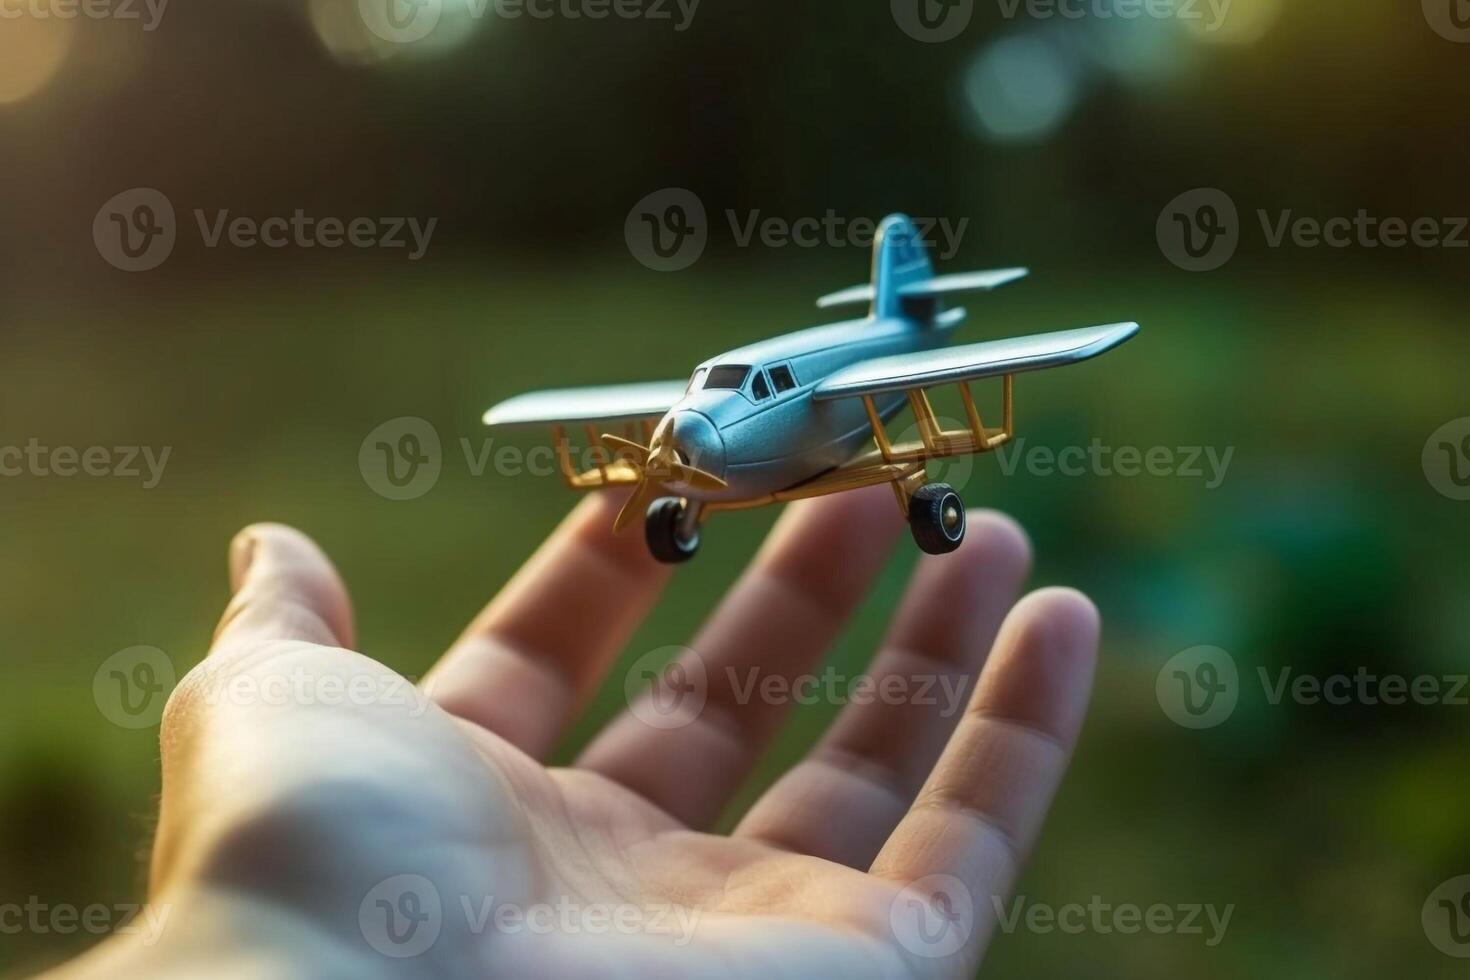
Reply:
x=367 y=32
x=1238 y=22
x=31 y=51
x=1021 y=89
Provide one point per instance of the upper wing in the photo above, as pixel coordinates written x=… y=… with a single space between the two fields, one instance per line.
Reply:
x=961 y=282
x=947 y=365
x=609 y=403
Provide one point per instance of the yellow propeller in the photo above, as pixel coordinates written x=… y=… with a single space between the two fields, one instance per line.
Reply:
x=658 y=465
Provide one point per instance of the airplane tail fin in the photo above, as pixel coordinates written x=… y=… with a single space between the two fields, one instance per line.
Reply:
x=904 y=283
x=900 y=259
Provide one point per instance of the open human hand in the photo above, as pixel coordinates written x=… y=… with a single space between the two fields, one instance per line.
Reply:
x=419 y=832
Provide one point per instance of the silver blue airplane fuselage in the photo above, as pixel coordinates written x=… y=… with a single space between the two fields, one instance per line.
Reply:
x=761 y=439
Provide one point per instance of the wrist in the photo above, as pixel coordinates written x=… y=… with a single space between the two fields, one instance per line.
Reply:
x=193 y=931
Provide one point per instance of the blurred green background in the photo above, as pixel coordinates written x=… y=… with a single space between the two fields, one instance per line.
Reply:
x=1326 y=548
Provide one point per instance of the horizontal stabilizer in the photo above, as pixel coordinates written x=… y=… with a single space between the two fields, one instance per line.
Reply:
x=853 y=294
x=937 y=286
x=963 y=282
x=972 y=362
x=609 y=403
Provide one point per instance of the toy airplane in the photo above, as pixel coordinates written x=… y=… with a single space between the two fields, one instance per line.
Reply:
x=787 y=418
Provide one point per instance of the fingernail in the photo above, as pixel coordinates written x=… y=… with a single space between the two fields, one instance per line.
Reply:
x=242 y=553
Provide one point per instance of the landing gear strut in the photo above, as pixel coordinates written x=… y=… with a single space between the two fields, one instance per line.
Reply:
x=672 y=530
x=937 y=518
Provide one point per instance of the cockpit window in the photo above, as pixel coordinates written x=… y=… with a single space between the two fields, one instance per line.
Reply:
x=782 y=379
x=759 y=388
x=694 y=381
x=730 y=376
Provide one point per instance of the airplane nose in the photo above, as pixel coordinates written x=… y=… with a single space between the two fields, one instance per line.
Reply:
x=698 y=443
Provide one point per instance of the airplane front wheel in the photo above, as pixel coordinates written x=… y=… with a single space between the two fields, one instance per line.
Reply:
x=667 y=538
x=937 y=518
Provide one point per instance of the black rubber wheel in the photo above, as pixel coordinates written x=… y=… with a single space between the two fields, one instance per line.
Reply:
x=661 y=528
x=937 y=518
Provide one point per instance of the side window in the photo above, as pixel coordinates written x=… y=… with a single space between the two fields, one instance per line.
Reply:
x=759 y=388
x=727 y=376
x=782 y=379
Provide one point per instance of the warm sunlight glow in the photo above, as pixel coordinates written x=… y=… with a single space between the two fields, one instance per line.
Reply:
x=31 y=51
x=1239 y=22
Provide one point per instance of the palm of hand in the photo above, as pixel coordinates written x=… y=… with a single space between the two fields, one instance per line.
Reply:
x=422 y=833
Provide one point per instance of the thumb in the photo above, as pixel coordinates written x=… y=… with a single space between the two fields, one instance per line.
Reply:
x=285 y=588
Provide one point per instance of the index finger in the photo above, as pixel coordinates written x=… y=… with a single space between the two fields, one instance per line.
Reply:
x=534 y=655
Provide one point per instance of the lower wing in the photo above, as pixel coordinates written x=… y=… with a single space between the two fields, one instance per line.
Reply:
x=572 y=406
